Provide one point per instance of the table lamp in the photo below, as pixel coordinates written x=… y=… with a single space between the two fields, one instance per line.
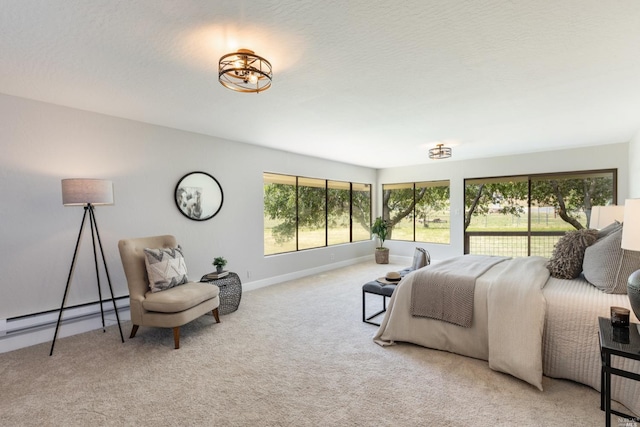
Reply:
x=631 y=242
x=601 y=216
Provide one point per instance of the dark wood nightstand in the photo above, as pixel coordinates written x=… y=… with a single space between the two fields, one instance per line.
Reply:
x=621 y=342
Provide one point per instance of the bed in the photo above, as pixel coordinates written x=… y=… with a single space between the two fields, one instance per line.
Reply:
x=524 y=323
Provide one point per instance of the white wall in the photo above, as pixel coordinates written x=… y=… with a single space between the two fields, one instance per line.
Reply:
x=41 y=144
x=634 y=167
x=599 y=157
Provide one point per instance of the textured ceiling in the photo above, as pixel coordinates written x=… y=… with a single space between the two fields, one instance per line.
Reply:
x=365 y=82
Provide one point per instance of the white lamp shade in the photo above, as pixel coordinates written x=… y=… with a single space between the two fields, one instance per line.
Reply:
x=631 y=226
x=601 y=216
x=80 y=191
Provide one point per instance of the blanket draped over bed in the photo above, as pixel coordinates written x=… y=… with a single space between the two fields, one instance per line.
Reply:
x=445 y=290
x=514 y=315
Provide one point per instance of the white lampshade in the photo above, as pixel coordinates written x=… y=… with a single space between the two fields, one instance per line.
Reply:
x=80 y=191
x=631 y=227
x=601 y=216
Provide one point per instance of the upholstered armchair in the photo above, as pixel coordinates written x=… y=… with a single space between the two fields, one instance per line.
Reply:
x=170 y=308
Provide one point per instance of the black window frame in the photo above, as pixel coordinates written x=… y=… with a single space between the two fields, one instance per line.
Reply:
x=326 y=211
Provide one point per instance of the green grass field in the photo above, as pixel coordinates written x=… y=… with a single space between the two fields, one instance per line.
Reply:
x=435 y=232
x=308 y=238
x=439 y=232
x=539 y=222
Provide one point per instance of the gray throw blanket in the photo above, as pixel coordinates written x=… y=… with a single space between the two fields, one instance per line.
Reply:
x=444 y=291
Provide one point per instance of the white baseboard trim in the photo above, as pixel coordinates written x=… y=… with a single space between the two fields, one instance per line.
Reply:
x=31 y=330
x=257 y=284
x=249 y=286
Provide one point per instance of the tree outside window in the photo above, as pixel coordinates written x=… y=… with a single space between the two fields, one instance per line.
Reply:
x=526 y=215
x=417 y=211
x=304 y=213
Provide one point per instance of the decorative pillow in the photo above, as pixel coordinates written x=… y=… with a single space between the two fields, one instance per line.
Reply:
x=165 y=268
x=604 y=232
x=566 y=260
x=607 y=266
x=421 y=258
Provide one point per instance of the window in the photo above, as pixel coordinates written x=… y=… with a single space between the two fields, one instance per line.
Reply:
x=432 y=212
x=417 y=211
x=338 y=202
x=305 y=213
x=280 y=227
x=526 y=215
x=397 y=208
x=360 y=212
x=312 y=218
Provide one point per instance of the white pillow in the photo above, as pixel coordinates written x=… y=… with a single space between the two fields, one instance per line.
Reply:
x=165 y=268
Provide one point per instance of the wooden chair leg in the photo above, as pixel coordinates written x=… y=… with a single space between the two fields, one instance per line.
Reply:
x=176 y=337
x=133 y=331
x=215 y=315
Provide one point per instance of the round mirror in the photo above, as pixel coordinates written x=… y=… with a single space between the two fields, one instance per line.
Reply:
x=199 y=196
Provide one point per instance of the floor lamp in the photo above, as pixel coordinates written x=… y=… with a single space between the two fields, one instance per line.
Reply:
x=88 y=193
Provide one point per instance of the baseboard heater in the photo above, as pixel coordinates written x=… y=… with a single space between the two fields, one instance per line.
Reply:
x=46 y=319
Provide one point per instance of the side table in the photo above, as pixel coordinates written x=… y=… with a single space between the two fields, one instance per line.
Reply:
x=230 y=291
x=622 y=342
x=377 y=288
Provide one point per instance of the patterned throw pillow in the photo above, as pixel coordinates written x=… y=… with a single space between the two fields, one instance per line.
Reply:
x=421 y=258
x=165 y=268
x=607 y=266
x=568 y=253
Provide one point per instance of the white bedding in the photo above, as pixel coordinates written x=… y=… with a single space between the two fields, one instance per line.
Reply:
x=570 y=344
x=569 y=340
x=516 y=314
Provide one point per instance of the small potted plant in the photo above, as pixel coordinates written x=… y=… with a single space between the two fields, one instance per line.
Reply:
x=381 y=230
x=219 y=262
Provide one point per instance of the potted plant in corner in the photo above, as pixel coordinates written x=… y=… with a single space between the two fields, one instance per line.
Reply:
x=219 y=262
x=381 y=229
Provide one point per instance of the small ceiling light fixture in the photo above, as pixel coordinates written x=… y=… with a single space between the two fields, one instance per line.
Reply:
x=244 y=71
x=440 y=152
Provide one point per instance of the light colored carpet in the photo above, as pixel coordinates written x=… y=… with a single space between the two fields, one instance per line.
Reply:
x=294 y=354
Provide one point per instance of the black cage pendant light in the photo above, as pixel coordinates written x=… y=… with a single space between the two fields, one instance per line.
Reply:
x=440 y=152
x=244 y=71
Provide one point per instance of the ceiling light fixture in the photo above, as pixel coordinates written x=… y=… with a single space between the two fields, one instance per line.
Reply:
x=440 y=152
x=244 y=71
